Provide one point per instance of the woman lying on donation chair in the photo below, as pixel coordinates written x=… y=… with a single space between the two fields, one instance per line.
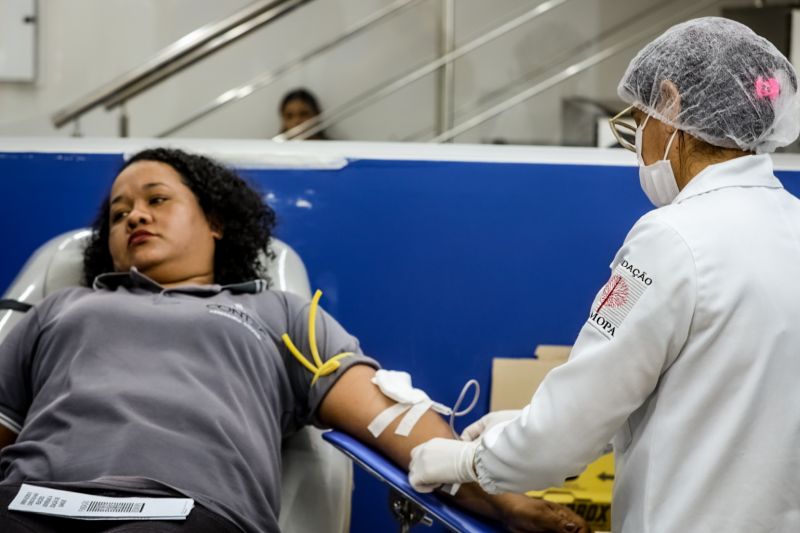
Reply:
x=168 y=376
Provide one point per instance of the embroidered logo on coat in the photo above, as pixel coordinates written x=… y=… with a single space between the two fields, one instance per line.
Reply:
x=237 y=314
x=617 y=297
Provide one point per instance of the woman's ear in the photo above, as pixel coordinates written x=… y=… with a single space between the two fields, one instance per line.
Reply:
x=216 y=229
x=669 y=101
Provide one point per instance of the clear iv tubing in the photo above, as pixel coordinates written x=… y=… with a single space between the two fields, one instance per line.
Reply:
x=455 y=412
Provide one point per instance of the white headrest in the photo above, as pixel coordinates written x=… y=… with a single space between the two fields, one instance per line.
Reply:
x=58 y=263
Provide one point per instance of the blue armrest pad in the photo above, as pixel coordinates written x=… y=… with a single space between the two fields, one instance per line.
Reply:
x=380 y=467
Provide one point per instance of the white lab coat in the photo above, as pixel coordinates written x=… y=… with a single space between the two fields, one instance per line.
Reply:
x=691 y=364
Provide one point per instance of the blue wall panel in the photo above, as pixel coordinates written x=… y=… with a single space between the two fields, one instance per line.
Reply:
x=436 y=266
x=43 y=195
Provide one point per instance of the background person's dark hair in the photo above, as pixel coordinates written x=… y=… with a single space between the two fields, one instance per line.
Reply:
x=303 y=95
x=225 y=198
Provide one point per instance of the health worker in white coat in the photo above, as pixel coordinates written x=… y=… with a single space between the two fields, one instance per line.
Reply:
x=690 y=357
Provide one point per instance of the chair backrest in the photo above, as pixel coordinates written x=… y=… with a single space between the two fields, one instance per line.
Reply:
x=313 y=471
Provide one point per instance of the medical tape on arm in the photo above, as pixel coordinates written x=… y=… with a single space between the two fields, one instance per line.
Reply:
x=410 y=401
x=414 y=403
x=318 y=367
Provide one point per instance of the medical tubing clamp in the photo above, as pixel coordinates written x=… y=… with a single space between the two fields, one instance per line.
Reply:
x=320 y=369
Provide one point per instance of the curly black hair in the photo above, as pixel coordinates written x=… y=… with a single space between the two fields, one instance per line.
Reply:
x=225 y=198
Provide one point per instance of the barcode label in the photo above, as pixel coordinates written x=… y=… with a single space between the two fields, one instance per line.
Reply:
x=94 y=506
x=44 y=500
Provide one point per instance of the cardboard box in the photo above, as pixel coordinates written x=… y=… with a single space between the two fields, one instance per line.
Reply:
x=513 y=383
x=515 y=380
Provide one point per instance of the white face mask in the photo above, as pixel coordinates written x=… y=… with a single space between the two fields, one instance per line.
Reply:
x=657 y=180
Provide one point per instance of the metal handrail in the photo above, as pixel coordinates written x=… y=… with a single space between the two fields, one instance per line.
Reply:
x=570 y=71
x=267 y=78
x=325 y=119
x=530 y=77
x=446 y=103
x=177 y=56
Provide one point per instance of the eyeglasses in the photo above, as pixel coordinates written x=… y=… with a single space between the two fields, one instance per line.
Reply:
x=622 y=128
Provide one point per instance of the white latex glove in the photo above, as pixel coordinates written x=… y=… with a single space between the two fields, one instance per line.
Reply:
x=476 y=429
x=441 y=461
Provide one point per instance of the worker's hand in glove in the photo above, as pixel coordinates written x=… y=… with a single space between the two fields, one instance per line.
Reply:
x=476 y=429
x=441 y=461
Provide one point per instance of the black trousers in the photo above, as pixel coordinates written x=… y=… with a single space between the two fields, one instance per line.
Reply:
x=200 y=520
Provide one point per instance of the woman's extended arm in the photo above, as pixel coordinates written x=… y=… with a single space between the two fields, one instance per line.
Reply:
x=354 y=401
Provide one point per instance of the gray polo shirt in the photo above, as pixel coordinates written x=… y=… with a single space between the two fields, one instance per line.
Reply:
x=134 y=386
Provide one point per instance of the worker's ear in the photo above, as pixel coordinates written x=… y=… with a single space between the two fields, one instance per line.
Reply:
x=669 y=102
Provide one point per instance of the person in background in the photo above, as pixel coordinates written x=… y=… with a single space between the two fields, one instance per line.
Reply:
x=299 y=106
x=690 y=355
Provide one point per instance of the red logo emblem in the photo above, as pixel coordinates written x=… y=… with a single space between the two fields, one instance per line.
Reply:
x=614 y=294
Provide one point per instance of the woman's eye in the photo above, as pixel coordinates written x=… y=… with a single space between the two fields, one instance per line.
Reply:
x=116 y=217
x=156 y=200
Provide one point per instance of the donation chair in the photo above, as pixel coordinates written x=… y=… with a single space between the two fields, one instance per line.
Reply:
x=408 y=506
x=313 y=471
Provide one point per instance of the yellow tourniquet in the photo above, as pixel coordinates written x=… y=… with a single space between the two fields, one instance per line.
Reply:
x=319 y=369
